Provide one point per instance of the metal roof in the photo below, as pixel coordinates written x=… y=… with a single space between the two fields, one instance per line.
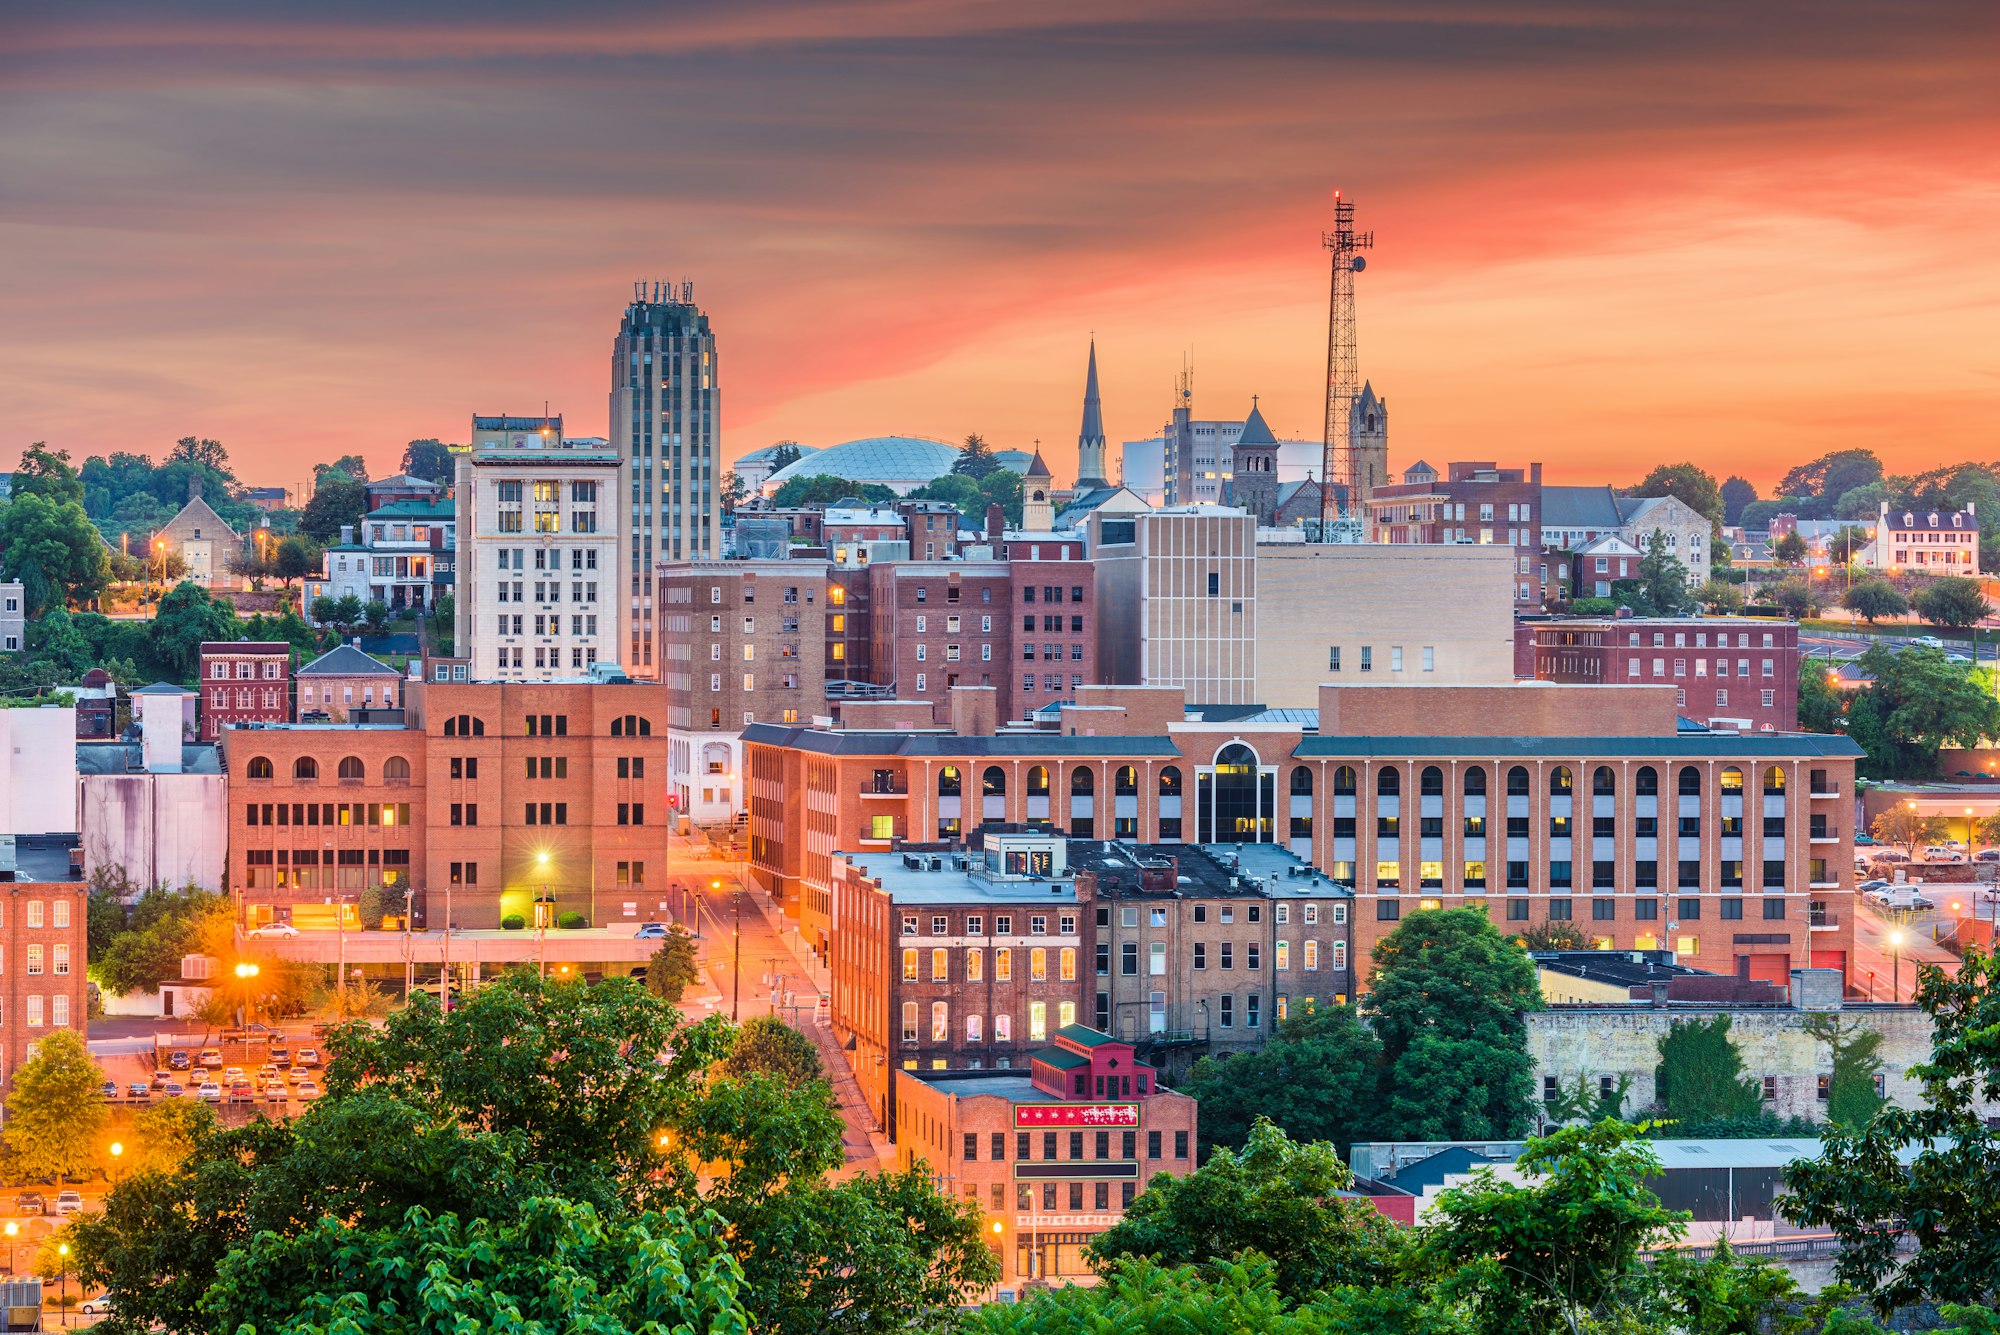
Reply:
x=347 y=661
x=950 y=746
x=875 y=459
x=1704 y=745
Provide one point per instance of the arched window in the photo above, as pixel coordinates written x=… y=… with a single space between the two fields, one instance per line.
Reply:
x=1732 y=781
x=993 y=783
x=464 y=725
x=1125 y=783
x=259 y=768
x=1517 y=781
x=1388 y=782
x=1774 y=779
x=305 y=767
x=1430 y=783
x=1647 y=781
x=1344 y=781
x=1170 y=781
x=396 y=770
x=1475 y=782
x=1602 y=782
x=451 y=727
x=1082 y=782
x=949 y=781
x=1302 y=781
x=1561 y=781
x=1690 y=781
x=352 y=768
x=1038 y=781
x=618 y=726
x=631 y=725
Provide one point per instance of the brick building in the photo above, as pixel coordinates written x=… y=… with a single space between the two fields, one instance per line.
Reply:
x=936 y=625
x=1728 y=672
x=1055 y=606
x=1053 y=1154
x=42 y=948
x=1476 y=503
x=344 y=679
x=1732 y=849
x=244 y=681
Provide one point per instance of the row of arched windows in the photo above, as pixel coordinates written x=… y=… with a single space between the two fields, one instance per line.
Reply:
x=351 y=769
x=1082 y=781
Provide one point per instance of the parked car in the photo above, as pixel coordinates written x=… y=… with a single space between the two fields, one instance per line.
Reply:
x=306 y=1057
x=212 y=1058
x=650 y=931
x=271 y=930
x=1892 y=855
x=109 y=1089
x=275 y=1091
x=69 y=1201
x=1956 y=658
x=308 y=1089
x=98 y=1306
x=1987 y=855
x=31 y=1202
x=1877 y=884
x=281 y=1056
x=209 y=1093
x=139 y=1089
x=173 y=1089
x=1928 y=641
x=1941 y=853
x=1903 y=897
x=177 y=1061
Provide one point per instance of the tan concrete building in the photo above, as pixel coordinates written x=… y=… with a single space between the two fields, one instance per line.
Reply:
x=1177 y=589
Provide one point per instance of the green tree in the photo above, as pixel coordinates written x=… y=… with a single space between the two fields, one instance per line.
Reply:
x=1692 y=486
x=353 y=465
x=1141 y=1296
x=1316 y=1079
x=1818 y=484
x=165 y=1133
x=1587 y=1101
x=339 y=500
x=56 y=1111
x=340 y=614
x=1794 y=597
x=976 y=460
x=824 y=488
x=1954 y=601
x=1276 y=1197
x=1002 y=487
x=785 y=454
x=47 y=473
x=1921 y=1173
x=186 y=617
x=1789 y=550
x=159 y=928
x=1700 y=1076
x=734 y=492
x=674 y=967
x=1447 y=996
x=429 y=459
x=1822 y=705
x=1875 y=598
x=1720 y=597
x=54 y=638
x=200 y=452
x=1554 y=935
x=376 y=614
x=766 y=1045
x=1845 y=545
x=1736 y=493
x=1919 y=703
x=1862 y=502
x=1904 y=827
x=295 y=559
x=54 y=550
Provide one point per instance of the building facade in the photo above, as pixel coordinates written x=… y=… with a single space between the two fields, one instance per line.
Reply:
x=1477 y=503
x=244 y=681
x=1727 y=672
x=1178 y=589
x=157 y=809
x=541 y=570
x=666 y=422
x=343 y=680
x=43 y=947
x=13 y=616
x=1051 y=1155
x=1927 y=541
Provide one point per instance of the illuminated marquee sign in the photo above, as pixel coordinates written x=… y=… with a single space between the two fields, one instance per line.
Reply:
x=1028 y=1115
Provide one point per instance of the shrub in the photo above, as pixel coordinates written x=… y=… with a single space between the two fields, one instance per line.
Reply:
x=572 y=920
x=513 y=922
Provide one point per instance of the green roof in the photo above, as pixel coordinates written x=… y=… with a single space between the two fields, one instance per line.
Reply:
x=1086 y=1036
x=414 y=510
x=1061 y=1058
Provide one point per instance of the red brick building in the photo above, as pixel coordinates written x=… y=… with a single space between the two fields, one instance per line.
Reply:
x=1727 y=672
x=1477 y=503
x=1052 y=1155
x=43 y=949
x=936 y=625
x=1055 y=634
x=244 y=681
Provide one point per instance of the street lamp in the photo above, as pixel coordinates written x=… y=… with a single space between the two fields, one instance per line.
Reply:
x=117 y=1153
x=1896 y=964
x=245 y=971
x=735 y=953
x=541 y=917
x=13 y=1231
x=62 y=1304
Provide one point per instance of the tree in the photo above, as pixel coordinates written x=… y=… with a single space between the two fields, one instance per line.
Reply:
x=1700 y=1076
x=47 y=473
x=1447 y=995
x=1851 y=1097
x=165 y=1133
x=1919 y=703
x=1140 y=1295
x=1719 y=597
x=1316 y=1080
x=674 y=967
x=376 y=614
x=1563 y=935
x=1794 y=597
x=1862 y=502
x=295 y=559
x=1692 y=486
x=159 y=928
x=1903 y=827
x=1587 y=1101
x=54 y=550
x=1001 y=487
x=784 y=455
x=186 y=617
x=1736 y=493
x=57 y=1110
x=734 y=492
x=1820 y=483
x=1954 y=601
x=1922 y=1173
x=1276 y=1197
x=1843 y=546
x=976 y=460
x=338 y=501
x=353 y=465
x=1789 y=550
x=1821 y=702
x=1663 y=579
x=429 y=459
x=824 y=488
x=1875 y=598
x=200 y=452
x=341 y=614
x=766 y=1045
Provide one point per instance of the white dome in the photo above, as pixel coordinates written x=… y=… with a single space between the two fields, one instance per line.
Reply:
x=901 y=463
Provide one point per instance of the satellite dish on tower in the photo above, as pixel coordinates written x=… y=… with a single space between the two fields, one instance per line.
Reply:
x=1360 y=263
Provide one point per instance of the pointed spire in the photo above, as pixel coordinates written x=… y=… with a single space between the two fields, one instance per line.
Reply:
x=1036 y=468
x=1256 y=431
x=1090 y=439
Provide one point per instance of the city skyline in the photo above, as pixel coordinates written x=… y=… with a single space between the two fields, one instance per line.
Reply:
x=1742 y=239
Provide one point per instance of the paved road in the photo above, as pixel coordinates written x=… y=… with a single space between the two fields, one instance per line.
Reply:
x=1887 y=973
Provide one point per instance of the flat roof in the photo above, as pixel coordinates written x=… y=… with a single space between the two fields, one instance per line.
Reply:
x=949 y=885
x=121 y=758
x=1018 y=1087
x=1693 y=745
x=44 y=858
x=951 y=746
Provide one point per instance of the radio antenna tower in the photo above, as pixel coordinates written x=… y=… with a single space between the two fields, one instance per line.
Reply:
x=1343 y=380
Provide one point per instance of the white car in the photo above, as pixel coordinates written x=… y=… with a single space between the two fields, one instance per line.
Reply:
x=272 y=929
x=98 y=1306
x=1928 y=641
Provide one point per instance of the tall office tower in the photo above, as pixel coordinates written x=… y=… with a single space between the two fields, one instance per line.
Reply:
x=664 y=420
x=1090 y=475
x=540 y=551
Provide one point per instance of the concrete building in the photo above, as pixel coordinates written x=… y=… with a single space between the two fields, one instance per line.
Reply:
x=541 y=552
x=156 y=808
x=13 y=616
x=206 y=545
x=1053 y=1154
x=38 y=770
x=344 y=572
x=1053 y=627
x=741 y=642
x=344 y=679
x=1929 y=542
x=1728 y=672
x=1473 y=503
x=1178 y=589
x=751 y=469
x=244 y=681
x=666 y=429
x=900 y=463
x=43 y=946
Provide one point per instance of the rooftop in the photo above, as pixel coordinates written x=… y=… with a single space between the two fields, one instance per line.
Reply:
x=118 y=758
x=1623 y=968
x=959 y=878
x=1017 y=1087
x=44 y=858
x=347 y=661
x=414 y=510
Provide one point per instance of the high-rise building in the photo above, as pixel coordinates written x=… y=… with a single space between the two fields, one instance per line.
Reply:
x=540 y=561
x=664 y=424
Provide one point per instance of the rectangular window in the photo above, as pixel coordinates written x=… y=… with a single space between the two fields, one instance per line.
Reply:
x=1038 y=1021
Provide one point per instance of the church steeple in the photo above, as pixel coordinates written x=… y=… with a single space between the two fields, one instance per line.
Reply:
x=1038 y=510
x=1090 y=440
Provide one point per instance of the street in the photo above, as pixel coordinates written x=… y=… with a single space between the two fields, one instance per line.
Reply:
x=1888 y=972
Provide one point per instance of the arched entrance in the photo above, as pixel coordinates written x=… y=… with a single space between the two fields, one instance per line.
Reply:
x=1236 y=797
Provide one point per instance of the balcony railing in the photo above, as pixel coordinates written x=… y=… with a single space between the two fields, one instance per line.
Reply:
x=872 y=788
x=1823 y=922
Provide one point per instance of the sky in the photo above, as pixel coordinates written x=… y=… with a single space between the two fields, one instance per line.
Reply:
x=1607 y=235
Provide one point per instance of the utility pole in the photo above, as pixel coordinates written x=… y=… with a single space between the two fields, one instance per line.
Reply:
x=444 y=965
x=735 y=957
x=409 y=960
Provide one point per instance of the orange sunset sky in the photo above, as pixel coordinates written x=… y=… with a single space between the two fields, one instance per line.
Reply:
x=1607 y=235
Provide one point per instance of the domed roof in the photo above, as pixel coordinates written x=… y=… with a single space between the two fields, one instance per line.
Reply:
x=914 y=460
x=1014 y=461
x=758 y=456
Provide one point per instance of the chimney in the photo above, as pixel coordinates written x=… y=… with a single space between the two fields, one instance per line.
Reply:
x=996 y=525
x=194 y=486
x=160 y=720
x=347 y=535
x=1659 y=990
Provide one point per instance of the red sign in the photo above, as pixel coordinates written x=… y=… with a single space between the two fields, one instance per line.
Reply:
x=673 y=801
x=1076 y=1114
